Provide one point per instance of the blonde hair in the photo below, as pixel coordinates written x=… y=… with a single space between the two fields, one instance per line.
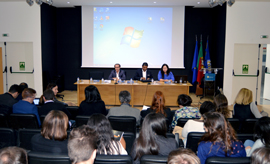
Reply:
x=244 y=97
x=183 y=156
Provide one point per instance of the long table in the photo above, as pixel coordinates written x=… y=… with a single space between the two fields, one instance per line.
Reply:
x=141 y=93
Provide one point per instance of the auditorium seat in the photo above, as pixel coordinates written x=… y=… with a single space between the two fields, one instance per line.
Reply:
x=97 y=75
x=45 y=158
x=248 y=126
x=81 y=120
x=154 y=159
x=228 y=160
x=243 y=137
x=176 y=137
x=24 y=137
x=3 y=121
x=182 y=121
x=123 y=123
x=21 y=121
x=73 y=110
x=129 y=138
x=235 y=123
x=7 y=137
x=193 y=140
x=113 y=159
x=42 y=117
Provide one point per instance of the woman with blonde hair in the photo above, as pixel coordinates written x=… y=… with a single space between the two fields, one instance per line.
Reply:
x=183 y=156
x=221 y=103
x=53 y=136
x=244 y=107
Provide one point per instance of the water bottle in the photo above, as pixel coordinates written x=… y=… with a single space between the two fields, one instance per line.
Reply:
x=131 y=81
x=102 y=81
x=152 y=80
x=78 y=80
x=180 y=81
x=91 y=80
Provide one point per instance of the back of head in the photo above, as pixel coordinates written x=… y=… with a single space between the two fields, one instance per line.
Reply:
x=48 y=94
x=207 y=106
x=14 y=88
x=183 y=156
x=82 y=144
x=54 y=126
x=124 y=97
x=262 y=130
x=261 y=156
x=22 y=86
x=13 y=155
x=221 y=104
x=28 y=92
x=92 y=94
x=158 y=103
x=184 y=100
x=244 y=97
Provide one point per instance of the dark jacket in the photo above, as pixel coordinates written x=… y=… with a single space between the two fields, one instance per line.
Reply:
x=122 y=75
x=6 y=103
x=47 y=107
x=139 y=74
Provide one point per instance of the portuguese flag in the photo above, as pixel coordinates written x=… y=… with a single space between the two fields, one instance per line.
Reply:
x=200 y=65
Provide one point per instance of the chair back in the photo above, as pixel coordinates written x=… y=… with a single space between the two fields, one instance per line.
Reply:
x=45 y=158
x=129 y=138
x=3 y=121
x=182 y=121
x=248 y=126
x=73 y=110
x=154 y=159
x=123 y=123
x=7 y=137
x=25 y=136
x=113 y=159
x=193 y=140
x=21 y=121
x=97 y=75
x=42 y=117
x=228 y=160
x=235 y=123
x=176 y=137
x=81 y=120
x=243 y=137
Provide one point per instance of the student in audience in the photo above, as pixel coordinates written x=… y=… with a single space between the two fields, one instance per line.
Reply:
x=92 y=103
x=26 y=106
x=8 y=99
x=262 y=133
x=117 y=73
x=221 y=103
x=125 y=109
x=82 y=145
x=261 y=156
x=220 y=139
x=152 y=139
x=143 y=73
x=244 y=107
x=165 y=74
x=22 y=86
x=158 y=106
x=49 y=104
x=13 y=155
x=183 y=156
x=186 y=110
x=53 y=136
x=106 y=143
x=196 y=125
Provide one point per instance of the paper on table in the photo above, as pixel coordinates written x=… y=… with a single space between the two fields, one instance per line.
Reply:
x=145 y=107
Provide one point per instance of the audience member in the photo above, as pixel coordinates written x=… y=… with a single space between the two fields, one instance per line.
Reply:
x=106 y=142
x=8 y=99
x=125 y=109
x=220 y=139
x=158 y=106
x=183 y=156
x=262 y=133
x=13 y=155
x=197 y=125
x=143 y=73
x=82 y=145
x=92 y=103
x=26 y=106
x=117 y=73
x=22 y=86
x=221 y=103
x=53 y=136
x=165 y=74
x=152 y=139
x=261 y=156
x=49 y=104
x=186 y=110
x=244 y=107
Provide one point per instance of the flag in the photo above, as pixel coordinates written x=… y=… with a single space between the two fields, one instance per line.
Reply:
x=194 y=64
x=200 y=64
x=207 y=60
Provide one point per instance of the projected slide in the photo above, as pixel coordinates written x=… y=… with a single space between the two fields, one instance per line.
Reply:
x=132 y=35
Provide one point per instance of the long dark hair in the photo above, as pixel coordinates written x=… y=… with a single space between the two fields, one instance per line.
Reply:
x=158 y=103
x=92 y=94
x=162 y=72
x=153 y=124
x=49 y=86
x=105 y=135
x=219 y=131
x=221 y=103
x=262 y=130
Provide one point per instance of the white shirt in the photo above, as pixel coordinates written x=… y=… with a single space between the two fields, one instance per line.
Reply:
x=192 y=126
x=144 y=74
x=117 y=75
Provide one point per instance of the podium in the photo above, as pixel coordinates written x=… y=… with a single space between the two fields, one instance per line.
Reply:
x=209 y=88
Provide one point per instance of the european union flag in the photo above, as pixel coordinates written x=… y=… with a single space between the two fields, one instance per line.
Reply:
x=207 y=61
x=194 y=64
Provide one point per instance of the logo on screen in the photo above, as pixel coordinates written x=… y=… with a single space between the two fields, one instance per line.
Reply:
x=132 y=37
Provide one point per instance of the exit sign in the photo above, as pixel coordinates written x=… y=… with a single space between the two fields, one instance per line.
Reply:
x=5 y=35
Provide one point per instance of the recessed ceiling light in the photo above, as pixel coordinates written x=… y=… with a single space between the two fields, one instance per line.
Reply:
x=68 y=2
x=155 y=2
x=198 y=2
x=110 y=2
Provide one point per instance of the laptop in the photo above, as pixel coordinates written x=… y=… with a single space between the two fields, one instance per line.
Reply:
x=36 y=101
x=178 y=77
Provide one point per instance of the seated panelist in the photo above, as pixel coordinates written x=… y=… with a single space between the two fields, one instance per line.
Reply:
x=165 y=74
x=143 y=73
x=117 y=73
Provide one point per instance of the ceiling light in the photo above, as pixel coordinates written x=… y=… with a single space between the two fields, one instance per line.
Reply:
x=68 y=2
x=39 y=2
x=230 y=2
x=155 y=2
x=49 y=2
x=220 y=2
x=213 y=3
x=30 y=2
x=110 y=2
x=198 y=3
